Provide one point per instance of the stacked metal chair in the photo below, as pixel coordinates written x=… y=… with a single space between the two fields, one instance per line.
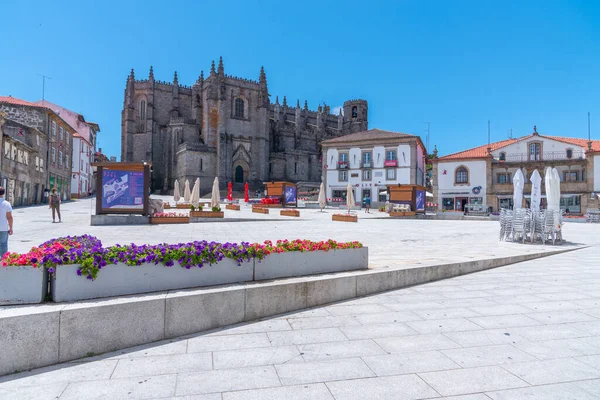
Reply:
x=521 y=224
x=537 y=226
x=505 y=223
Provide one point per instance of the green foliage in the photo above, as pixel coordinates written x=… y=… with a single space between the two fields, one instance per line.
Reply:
x=216 y=209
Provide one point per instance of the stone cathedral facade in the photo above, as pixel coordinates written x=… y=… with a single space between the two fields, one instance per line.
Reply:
x=227 y=127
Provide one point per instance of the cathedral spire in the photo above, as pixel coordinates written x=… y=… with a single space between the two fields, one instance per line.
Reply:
x=221 y=70
x=277 y=100
x=298 y=104
x=201 y=77
x=306 y=105
x=132 y=75
x=284 y=101
x=212 y=68
x=151 y=74
x=175 y=80
x=263 y=76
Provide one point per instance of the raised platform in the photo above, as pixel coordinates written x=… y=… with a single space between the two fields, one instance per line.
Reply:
x=52 y=333
x=103 y=220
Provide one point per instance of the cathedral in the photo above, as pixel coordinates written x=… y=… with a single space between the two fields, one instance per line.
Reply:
x=228 y=127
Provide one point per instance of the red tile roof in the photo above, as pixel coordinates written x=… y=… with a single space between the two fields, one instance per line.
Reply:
x=482 y=151
x=19 y=102
x=368 y=135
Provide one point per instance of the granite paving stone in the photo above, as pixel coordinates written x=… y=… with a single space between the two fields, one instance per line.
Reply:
x=201 y=344
x=323 y=371
x=306 y=336
x=152 y=387
x=334 y=350
x=316 y=391
x=256 y=357
x=487 y=355
x=400 y=364
x=226 y=380
x=158 y=365
x=403 y=387
x=553 y=371
x=377 y=331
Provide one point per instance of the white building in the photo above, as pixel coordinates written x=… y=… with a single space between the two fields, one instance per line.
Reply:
x=84 y=148
x=481 y=177
x=369 y=161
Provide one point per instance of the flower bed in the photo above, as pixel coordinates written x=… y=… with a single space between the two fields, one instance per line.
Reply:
x=169 y=218
x=344 y=217
x=119 y=270
x=290 y=213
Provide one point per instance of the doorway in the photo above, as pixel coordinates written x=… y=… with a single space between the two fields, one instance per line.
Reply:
x=239 y=174
x=461 y=203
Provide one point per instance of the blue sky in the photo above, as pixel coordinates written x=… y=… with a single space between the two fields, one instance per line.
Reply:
x=455 y=64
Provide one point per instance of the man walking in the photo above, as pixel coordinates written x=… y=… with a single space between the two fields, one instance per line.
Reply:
x=55 y=205
x=6 y=223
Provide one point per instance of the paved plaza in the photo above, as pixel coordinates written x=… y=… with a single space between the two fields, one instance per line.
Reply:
x=525 y=331
x=391 y=242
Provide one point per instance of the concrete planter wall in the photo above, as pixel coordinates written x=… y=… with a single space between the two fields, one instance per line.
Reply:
x=295 y=263
x=121 y=279
x=23 y=285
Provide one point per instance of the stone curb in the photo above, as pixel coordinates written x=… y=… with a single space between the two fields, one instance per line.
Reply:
x=42 y=335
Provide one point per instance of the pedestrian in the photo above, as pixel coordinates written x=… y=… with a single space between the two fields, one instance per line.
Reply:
x=6 y=223
x=368 y=204
x=55 y=205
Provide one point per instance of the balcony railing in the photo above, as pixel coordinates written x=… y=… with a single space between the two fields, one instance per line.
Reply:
x=546 y=156
x=342 y=164
x=366 y=165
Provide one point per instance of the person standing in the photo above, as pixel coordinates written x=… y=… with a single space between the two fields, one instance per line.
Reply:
x=55 y=205
x=6 y=223
x=368 y=204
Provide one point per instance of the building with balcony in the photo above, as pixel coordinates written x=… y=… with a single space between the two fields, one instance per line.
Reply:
x=369 y=161
x=481 y=177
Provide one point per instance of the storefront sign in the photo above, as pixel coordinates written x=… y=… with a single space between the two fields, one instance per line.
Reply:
x=477 y=190
x=390 y=163
x=354 y=175
x=290 y=194
x=122 y=189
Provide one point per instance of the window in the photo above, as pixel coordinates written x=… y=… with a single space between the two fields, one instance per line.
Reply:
x=343 y=157
x=570 y=176
x=503 y=156
x=239 y=108
x=461 y=176
x=26 y=158
x=390 y=155
x=41 y=164
x=504 y=178
x=60 y=158
x=53 y=128
x=343 y=176
x=81 y=165
x=366 y=159
x=569 y=153
x=295 y=168
x=53 y=155
x=535 y=151
x=67 y=162
x=201 y=165
x=366 y=175
x=61 y=132
x=448 y=203
x=142 y=110
x=20 y=156
x=339 y=194
x=37 y=139
x=390 y=174
x=7 y=151
x=354 y=112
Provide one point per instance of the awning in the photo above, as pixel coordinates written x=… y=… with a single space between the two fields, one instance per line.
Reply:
x=427 y=194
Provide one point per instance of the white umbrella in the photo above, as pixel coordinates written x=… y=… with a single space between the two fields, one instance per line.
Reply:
x=555 y=195
x=349 y=198
x=195 y=199
x=322 y=198
x=551 y=202
x=186 y=192
x=536 y=190
x=518 y=183
x=176 y=192
x=214 y=198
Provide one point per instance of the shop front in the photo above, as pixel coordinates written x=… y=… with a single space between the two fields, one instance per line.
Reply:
x=569 y=203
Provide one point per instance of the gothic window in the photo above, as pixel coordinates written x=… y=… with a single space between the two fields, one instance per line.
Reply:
x=354 y=112
x=461 y=175
x=503 y=156
x=569 y=153
x=239 y=108
x=142 y=110
x=239 y=174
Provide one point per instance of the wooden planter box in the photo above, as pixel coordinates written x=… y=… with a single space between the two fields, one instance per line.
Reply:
x=344 y=217
x=207 y=214
x=166 y=206
x=169 y=220
x=235 y=207
x=183 y=206
x=260 y=210
x=290 y=213
x=409 y=213
x=397 y=214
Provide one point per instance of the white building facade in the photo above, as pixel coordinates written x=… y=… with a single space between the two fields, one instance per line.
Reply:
x=480 y=179
x=369 y=161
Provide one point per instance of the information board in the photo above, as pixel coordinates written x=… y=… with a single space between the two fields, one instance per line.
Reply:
x=420 y=200
x=122 y=189
x=290 y=195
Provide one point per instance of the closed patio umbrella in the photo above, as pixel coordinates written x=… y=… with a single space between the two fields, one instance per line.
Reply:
x=246 y=196
x=176 y=192
x=536 y=190
x=230 y=191
x=186 y=192
x=349 y=198
x=518 y=184
x=322 y=198
x=214 y=198
x=195 y=199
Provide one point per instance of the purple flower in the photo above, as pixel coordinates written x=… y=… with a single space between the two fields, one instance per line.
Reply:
x=79 y=271
x=51 y=270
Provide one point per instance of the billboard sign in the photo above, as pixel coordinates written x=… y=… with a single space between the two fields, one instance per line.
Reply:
x=122 y=189
x=420 y=200
x=290 y=195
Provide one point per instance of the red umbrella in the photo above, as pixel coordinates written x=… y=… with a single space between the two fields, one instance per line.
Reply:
x=246 y=197
x=229 y=191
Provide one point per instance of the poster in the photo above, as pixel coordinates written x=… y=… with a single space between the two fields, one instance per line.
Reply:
x=420 y=201
x=122 y=189
x=290 y=194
